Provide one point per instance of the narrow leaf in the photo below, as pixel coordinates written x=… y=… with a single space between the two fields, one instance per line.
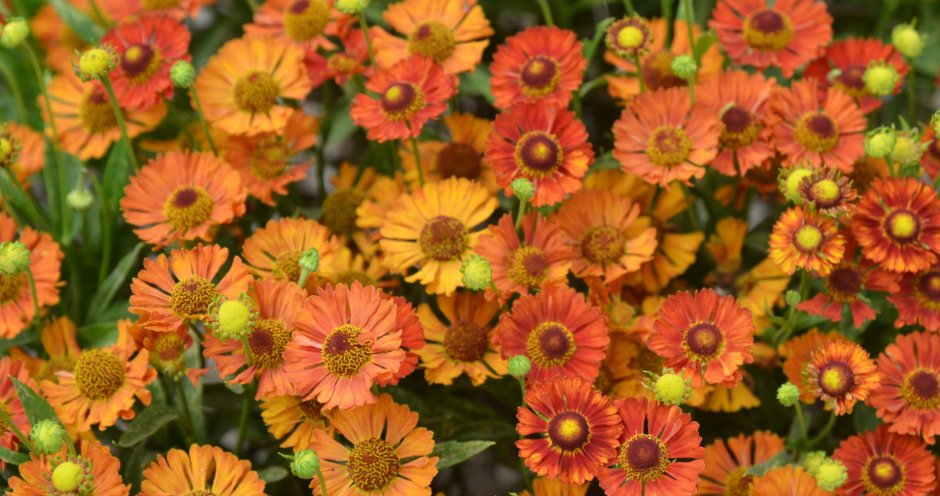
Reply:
x=272 y=474
x=114 y=282
x=14 y=194
x=115 y=177
x=149 y=421
x=83 y=26
x=13 y=457
x=455 y=452
x=36 y=407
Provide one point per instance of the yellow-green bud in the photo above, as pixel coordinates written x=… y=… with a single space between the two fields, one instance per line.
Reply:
x=831 y=474
x=792 y=297
x=907 y=40
x=182 y=74
x=6 y=149
x=79 y=199
x=95 y=63
x=519 y=366
x=14 y=32
x=935 y=122
x=234 y=320
x=788 y=394
x=880 y=78
x=792 y=181
x=306 y=464
x=672 y=388
x=477 y=273
x=684 y=67
x=14 y=258
x=67 y=476
x=309 y=263
x=48 y=436
x=880 y=142
x=351 y=6
x=813 y=460
x=907 y=149
x=523 y=189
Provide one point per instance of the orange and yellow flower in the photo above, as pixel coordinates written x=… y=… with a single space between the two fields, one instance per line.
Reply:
x=918 y=299
x=350 y=59
x=851 y=57
x=841 y=374
x=881 y=462
x=305 y=24
x=28 y=155
x=460 y=156
x=805 y=239
x=797 y=352
x=845 y=285
x=17 y=309
x=10 y=403
x=60 y=342
x=789 y=480
x=201 y=470
x=909 y=394
x=273 y=252
x=100 y=472
x=727 y=462
x=541 y=65
x=293 y=420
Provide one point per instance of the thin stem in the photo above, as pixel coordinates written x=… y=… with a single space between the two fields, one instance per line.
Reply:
x=639 y=70
x=417 y=153
x=184 y=406
x=912 y=95
x=801 y=419
x=202 y=121
x=365 y=34
x=322 y=481
x=5 y=417
x=243 y=420
x=689 y=21
x=32 y=291
x=121 y=124
x=105 y=210
x=15 y=89
x=521 y=213
x=629 y=6
x=253 y=5
x=824 y=432
x=546 y=12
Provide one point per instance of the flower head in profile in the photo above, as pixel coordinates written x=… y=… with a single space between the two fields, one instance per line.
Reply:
x=542 y=65
x=881 y=462
x=841 y=373
x=92 y=470
x=294 y=420
x=274 y=251
x=200 y=470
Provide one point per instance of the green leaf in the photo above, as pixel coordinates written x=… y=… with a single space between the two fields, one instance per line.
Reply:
x=272 y=474
x=149 y=421
x=703 y=43
x=114 y=282
x=454 y=452
x=477 y=83
x=83 y=26
x=116 y=175
x=13 y=457
x=590 y=46
x=13 y=193
x=36 y=407
x=97 y=335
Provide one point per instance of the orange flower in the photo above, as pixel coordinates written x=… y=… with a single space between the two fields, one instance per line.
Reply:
x=264 y=161
x=293 y=420
x=302 y=23
x=146 y=48
x=547 y=145
x=461 y=156
x=930 y=160
x=660 y=138
x=60 y=342
x=806 y=240
x=541 y=65
x=880 y=462
x=841 y=373
x=273 y=251
x=240 y=86
x=410 y=93
x=344 y=268
x=660 y=451
x=575 y=428
x=384 y=452
x=705 y=334
x=797 y=352
x=828 y=192
x=851 y=57
x=460 y=343
x=784 y=34
x=606 y=234
x=10 y=402
x=85 y=118
x=173 y=291
x=203 y=470
x=727 y=462
x=560 y=333
x=59 y=41
x=845 y=285
x=167 y=351
x=918 y=300
x=909 y=394
x=182 y=196
x=789 y=480
x=825 y=129
x=555 y=487
x=743 y=104
x=16 y=301
x=897 y=225
x=412 y=340
x=100 y=472
x=452 y=32
x=177 y=9
x=28 y=155
x=625 y=366
x=350 y=59
x=353 y=338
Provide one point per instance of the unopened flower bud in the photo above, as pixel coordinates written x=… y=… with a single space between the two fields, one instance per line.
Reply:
x=351 y=7
x=95 y=63
x=477 y=273
x=684 y=67
x=182 y=74
x=792 y=297
x=907 y=40
x=519 y=366
x=14 y=258
x=523 y=189
x=881 y=78
x=788 y=394
x=14 y=33
x=880 y=142
x=306 y=464
x=831 y=474
x=907 y=149
x=671 y=388
x=48 y=436
x=79 y=199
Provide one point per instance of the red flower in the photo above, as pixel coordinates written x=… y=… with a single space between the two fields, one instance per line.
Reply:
x=541 y=65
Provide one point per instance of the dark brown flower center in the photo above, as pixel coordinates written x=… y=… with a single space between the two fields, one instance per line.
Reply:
x=401 y=100
x=459 y=160
x=569 y=431
x=817 y=132
x=95 y=112
x=539 y=76
x=140 y=61
x=313 y=410
x=643 y=457
x=306 y=19
x=443 y=238
x=466 y=341
x=339 y=211
x=768 y=30
x=267 y=343
x=883 y=474
x=740 y=129
x=538 y=153
x=343 y=354
x=850 y=80
x=928 y=286
x=550 y=344
x=528 y=267
x=845 y=281
x=704 y=340
x=188 y=207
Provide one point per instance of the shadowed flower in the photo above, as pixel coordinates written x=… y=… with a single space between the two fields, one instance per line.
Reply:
x=293 y=420
x=918 y=299
x=460 y=156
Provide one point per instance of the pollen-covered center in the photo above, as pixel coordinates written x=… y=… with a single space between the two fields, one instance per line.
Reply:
x=844 y=283
x=656 y=71
x=313 y=410
x=373 y=464
x=187 y=208
x=10 y=286
x=668 y=146
x=140 y=62
x=167 y=347
x=192 y=296
x=836 y=379
x=256 y=92
x=817 y=132
x=807 y=238
x=466 y=341
x=95 y=112
x=883 y=475
x=287 y=266
x=768 y=30
x=850 y=80
x=603 y=245
x=921 y=389
x=703 y=341
x=401 y=100
x=339 y=211
x=267 y=342
x=443 y=238
x=740 y=129
x=538 y=153
x=306 y=19
x=271 y=157
x=459 y=160
x=550 y=344
x=539 y=76
x=528 y=267
x=643 y=457
x=825 y=193
x=343 y=353
x=98 y=374
x=569 y=431
x=902 y=226
x=432 y=39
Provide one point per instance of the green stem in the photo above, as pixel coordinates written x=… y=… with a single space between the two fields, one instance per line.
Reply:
x=521 y=213
x=5 y=417
x=202 y=121
x=32 y=291
x=639 y=70
x=801 y=419
x=105 y=210
x=15 y=89
x=121 y=124
x=184 y=407
x=689 y=21
x=629 y=6
x=693 y=214
x=593 y=84
x=912 y=94
x=243 y=420
x=365 y=34
x=417 y=153
x=322 y=481
x=253 y=5
x=546 y=12
x=823 y=433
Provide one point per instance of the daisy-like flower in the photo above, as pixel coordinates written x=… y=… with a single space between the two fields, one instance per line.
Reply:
x=201 y=470
x=918 y=299
x=606 y=234
x=707 y=335
x=850 y=58
x=789 y=480
x=624 y=368
x=461 y=156
x=429 y=230
x=27 y=151
x=16 y=300
x=382 y=451
x=841 y=374
x=743 y=104
x=542 y=65
x=660 y=138
x=544 y=144
x=818 y=129
x=302 y=23
x=908 y=398
x=147 y=48
x=85 y=119
x=560 y=333
x=796 y=354
x=98 y=471
x=175 y=290
x=575 y=430
x=345 y=267
x=240 y=86
x=182 y=196
x=897 y=225
x=266 y=162
x=461 y=342
x=884 y=463
x=60 y=342
x=353 y=337
x=410 y=93
x=660 y=451
x=274 y=251
x=350 y=58
x=828 y=192
x=453 y=33
x=784 y=34
x=727 y=462
x=805 y=239
x=10 y=401
x=845 y=285
x=540 y=260
x=167 y=350
x=293 y=420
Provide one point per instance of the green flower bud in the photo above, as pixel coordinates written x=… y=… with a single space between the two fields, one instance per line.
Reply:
x=182 y=74
x=790 y=180
x=306 y=464
x=48 y=436
x=907 y=40
x=788 y=394
x=792 y=297
x=684 y=67
x=672 y=388
x=880 y=78
x=813 y=460
x=309 y=263
x=523 y=189
x=67 y=476
x=477 y=273
x=519 y=366
x=879 y=142
x=6 y=149
x=96 y=63
x=14 y=258
x=79 y=199
x=831 y=474
x=14 y=33
x=907 y=148
x=351 y=7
